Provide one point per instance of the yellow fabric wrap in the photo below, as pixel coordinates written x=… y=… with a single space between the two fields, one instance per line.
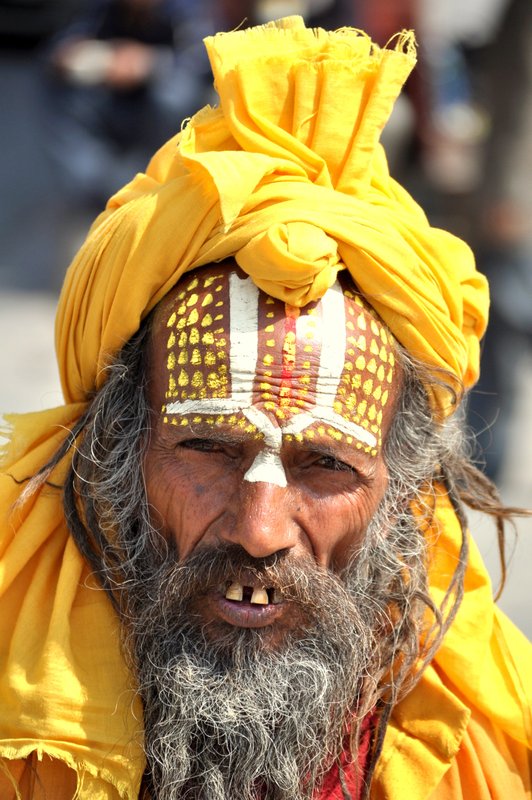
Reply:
x=288 y=176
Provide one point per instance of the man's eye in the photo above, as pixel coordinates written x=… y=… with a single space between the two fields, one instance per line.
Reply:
x=329 y=462
x=202 y=445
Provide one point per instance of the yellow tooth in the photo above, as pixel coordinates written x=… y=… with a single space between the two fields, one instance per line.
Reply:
x=260 y=596
x=235 y=592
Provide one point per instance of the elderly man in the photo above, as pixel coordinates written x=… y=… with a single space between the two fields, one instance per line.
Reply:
x=235 y=563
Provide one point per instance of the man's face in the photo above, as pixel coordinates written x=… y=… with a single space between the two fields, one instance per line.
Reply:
x=268 y=433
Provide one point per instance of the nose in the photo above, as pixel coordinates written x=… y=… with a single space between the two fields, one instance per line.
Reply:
x=263 y=522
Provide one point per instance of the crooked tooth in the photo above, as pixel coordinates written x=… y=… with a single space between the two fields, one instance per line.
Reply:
x=235 y=592
x=260 y=596
x=277 y=596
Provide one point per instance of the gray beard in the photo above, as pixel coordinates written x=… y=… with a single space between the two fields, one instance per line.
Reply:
x=226 y=715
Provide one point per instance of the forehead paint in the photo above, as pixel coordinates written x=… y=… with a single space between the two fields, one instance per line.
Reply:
x=233 y=353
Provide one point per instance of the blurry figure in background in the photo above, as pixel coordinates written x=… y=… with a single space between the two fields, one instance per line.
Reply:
x=475 y=163
x=317 y=13
x=122 y=77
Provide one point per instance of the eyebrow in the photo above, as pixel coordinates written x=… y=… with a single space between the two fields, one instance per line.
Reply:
x=322 y=444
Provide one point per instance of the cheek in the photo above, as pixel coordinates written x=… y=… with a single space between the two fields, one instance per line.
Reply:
x=183 y=502
x=340 y=523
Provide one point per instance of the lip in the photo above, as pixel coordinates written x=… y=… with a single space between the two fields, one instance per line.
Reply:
x=242 y=614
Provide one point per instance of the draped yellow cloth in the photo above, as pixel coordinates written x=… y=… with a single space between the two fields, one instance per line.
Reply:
x=288 y=176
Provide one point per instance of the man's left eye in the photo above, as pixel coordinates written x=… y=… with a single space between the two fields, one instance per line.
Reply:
x=329 y=462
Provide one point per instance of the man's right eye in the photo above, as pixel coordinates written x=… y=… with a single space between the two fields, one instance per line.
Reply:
x=203 y=445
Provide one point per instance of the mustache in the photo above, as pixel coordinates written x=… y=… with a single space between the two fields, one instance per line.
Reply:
x=299 y=579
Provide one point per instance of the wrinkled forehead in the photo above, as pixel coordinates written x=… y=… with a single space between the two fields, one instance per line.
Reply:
x=221 y=345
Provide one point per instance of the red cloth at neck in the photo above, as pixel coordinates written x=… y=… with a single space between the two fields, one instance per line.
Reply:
x=354 y=772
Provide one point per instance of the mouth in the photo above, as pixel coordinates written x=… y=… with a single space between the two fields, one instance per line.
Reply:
x=253 y=594
x=247 y=603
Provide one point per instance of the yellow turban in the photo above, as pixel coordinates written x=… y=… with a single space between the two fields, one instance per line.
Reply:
x=287 y=175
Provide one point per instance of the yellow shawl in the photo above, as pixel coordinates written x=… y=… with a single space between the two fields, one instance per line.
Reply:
x=287 y=175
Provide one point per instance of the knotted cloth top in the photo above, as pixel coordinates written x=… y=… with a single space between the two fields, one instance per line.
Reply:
x=287 y=175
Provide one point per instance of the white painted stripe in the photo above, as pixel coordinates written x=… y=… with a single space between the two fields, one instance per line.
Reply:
x=267 y=468
x=333 y=343
x=244 y=312
x=299 y=422
x=209 y=405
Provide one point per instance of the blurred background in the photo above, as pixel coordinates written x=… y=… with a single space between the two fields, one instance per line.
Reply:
x=88 y=90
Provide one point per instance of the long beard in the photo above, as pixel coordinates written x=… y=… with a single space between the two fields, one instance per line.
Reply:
x=226 y=714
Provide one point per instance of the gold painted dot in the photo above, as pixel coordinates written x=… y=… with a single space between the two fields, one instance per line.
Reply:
x=377 y=393
x=384 y=399
x=171 y=340
x=206 y=321
x=218 y=288
x=196 y=357
x=184 y=421
x=269 y=406
x=210 y=359
x=379 y=416
x=270 y=342
x=181 y=309
x=389 y=375
x=183 y=339
x=197 y=380
x=213 y=381
x=194 y=336
x=269 y=328
x=349 y=440
x=182 y=357
x=348 y=366
x=193 y=317
x=349 y=325
x=372 y=366
x=308 y=348
x=372 y=413
x=335 y=434
x=383 y=354
x=384 y=336
x=356 y=381
x=361 y=343
x=171 y=385
x=361 y=322
x=360 y=363
x=270 y=314
x=221 y=342
x=218 y=317
x=171 y=319
x=305 y=380
x=374 y=348
x=380 y=373
x=183 y=378
x=207 y=300
x=269 y=301
x=207 y=337
x=170 y=363
x=268 y=359
x=181 y=323
x=374 y=327
x=391 y=359
x=192 y=300
x=367 y=386
x=361 y=408
x=219 y=304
